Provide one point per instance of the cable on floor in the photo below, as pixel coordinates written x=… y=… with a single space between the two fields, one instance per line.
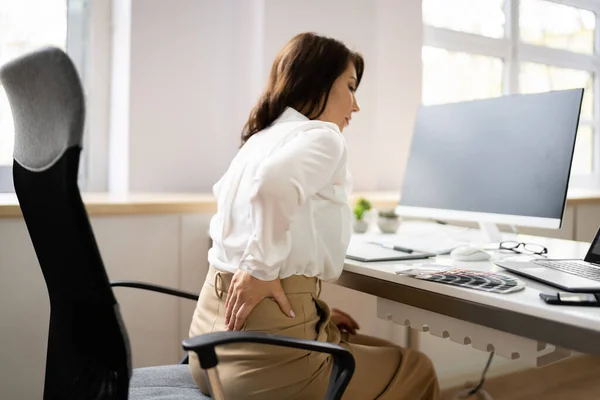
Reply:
x=478 y=389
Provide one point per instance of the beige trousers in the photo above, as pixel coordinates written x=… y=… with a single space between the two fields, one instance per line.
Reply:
x=256 y=371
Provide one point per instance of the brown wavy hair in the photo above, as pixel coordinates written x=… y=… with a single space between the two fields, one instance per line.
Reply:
x=301 y=77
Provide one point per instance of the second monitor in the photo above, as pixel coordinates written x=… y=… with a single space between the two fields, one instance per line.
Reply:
x=502 y=160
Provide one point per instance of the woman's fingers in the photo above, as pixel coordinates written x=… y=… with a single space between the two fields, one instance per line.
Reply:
x=281 y=299
x=230 y=301
x=227 y=299
x=234 y=313
x=242 y=315
x=351 y=321
x=347 y=328
x=230 y=292
x=229 y=307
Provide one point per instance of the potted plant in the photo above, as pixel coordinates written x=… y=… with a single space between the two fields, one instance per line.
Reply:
x=360 y=225
x=388 y=221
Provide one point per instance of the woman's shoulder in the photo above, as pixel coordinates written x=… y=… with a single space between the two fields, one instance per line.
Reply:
x=319 y=131
x=298 y=131
x=294 y=121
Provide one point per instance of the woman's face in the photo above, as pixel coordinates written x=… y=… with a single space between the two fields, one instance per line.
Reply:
x=342 y=102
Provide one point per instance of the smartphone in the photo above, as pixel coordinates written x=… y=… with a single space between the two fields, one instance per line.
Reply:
x=572 y=299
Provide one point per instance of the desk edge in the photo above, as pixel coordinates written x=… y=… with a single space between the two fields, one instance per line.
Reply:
x=536 y=328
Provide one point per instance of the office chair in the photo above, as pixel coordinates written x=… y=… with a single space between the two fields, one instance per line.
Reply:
x=88 y=354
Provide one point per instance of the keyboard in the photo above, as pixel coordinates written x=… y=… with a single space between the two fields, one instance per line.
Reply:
x=573 y=267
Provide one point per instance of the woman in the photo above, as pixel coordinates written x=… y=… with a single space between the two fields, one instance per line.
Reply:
x=283 y=225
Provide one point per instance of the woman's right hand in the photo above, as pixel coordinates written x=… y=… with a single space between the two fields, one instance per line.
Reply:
x=245 y=292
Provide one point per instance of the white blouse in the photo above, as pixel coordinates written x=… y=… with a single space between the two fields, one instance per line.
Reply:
x=283 y=203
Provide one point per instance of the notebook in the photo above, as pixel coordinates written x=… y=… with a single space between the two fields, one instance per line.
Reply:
x=360 y=249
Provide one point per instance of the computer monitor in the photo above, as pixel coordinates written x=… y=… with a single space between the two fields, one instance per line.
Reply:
x=501 y=160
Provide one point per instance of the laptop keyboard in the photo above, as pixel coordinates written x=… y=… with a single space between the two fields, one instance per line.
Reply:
x=578 y=268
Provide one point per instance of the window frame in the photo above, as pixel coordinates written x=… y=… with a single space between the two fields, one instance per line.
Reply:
x=77 y=46
x=78 y=40
x=513 y=52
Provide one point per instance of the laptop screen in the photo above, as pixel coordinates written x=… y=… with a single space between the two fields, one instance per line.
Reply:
x=593 y=254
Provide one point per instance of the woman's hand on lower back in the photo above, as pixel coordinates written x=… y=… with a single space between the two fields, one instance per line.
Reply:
x=245 y=292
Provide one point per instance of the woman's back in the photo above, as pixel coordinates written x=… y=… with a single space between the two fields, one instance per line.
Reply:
x=301 y=164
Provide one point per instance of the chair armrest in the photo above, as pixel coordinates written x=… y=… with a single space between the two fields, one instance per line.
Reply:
x=155 y=288
x=343 y=361
x=159 y=289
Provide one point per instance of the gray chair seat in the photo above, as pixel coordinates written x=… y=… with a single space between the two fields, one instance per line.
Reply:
x=169 y=382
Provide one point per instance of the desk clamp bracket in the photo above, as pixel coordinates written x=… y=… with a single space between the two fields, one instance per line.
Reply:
x=504 y=344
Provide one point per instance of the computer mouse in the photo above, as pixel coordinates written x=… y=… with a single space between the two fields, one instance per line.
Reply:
x=469 y=253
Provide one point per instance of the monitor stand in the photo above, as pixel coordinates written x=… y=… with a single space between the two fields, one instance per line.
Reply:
x=490 y=232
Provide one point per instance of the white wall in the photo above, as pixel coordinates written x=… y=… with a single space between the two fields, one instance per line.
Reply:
x=182 y=60
x=197 y=67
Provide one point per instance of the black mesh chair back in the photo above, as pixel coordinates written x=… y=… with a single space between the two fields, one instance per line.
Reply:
x=88 y=353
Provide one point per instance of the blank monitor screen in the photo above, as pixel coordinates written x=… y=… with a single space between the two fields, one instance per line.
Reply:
x=509 y=155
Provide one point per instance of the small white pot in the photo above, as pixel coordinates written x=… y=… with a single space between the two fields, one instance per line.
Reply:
x=388 y=225
x=360 y=226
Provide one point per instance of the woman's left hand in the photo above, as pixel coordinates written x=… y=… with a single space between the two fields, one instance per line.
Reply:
x=344 y=321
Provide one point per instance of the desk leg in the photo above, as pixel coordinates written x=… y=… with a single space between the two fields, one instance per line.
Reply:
x=412 y=338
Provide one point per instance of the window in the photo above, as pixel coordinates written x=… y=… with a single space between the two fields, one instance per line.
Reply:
x=464 y=76
x=559 y=26
x=26 y=25
x=485 y=48
x=481 y=17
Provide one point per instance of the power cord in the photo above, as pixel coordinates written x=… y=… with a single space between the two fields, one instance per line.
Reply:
x=478 y=389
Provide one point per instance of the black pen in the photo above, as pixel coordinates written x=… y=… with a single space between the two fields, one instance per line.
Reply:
x=393 y=247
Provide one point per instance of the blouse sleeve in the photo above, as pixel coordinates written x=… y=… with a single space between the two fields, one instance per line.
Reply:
x=282 y=184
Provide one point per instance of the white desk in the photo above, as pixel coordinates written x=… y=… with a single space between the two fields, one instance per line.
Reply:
x=516 y=326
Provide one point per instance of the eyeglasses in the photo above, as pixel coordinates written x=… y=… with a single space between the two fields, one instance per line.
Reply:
x=520 y=247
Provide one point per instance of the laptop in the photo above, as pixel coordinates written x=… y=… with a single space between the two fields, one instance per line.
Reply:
x=570 y=275
x=363 y=248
